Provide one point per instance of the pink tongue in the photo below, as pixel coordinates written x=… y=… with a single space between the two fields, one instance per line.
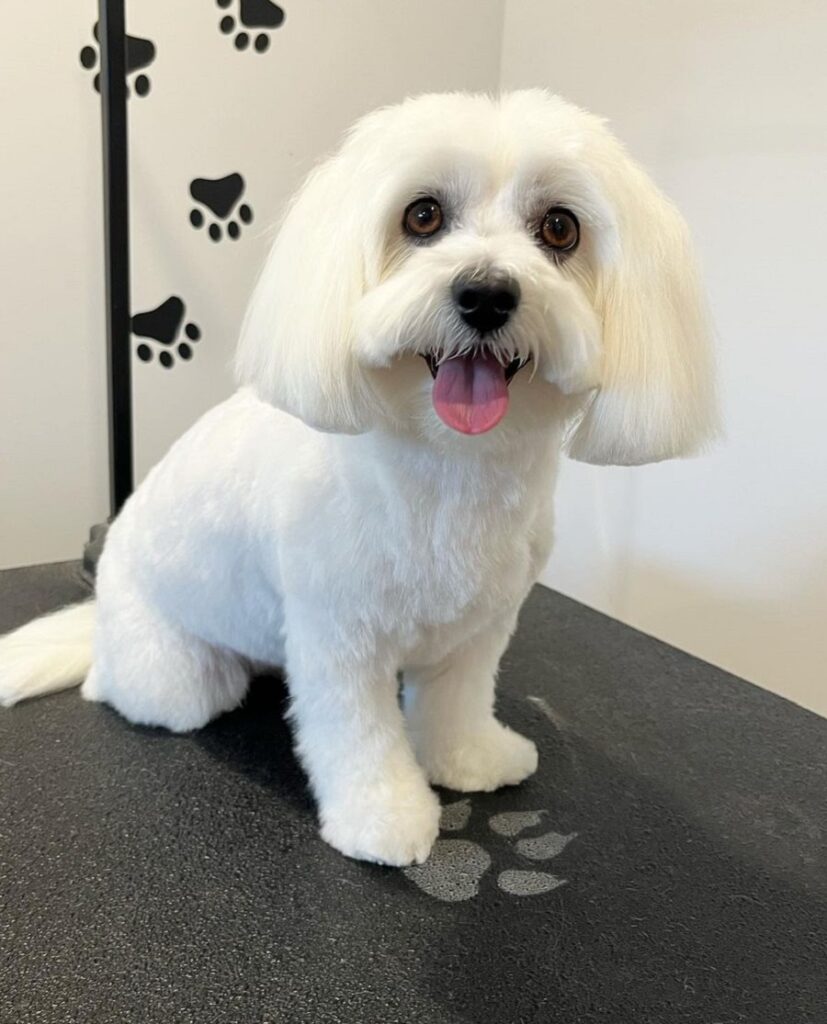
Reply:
x=470 y=394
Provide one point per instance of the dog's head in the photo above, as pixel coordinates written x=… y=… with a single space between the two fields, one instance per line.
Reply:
x=463 y=257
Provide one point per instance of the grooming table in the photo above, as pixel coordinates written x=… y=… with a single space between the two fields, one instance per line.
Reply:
x=667 y=864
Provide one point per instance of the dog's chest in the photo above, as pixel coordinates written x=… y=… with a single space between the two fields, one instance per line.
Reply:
x=416 y=557
x=447 y=570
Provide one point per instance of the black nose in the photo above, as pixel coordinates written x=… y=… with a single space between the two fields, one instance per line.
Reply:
x=486 y=307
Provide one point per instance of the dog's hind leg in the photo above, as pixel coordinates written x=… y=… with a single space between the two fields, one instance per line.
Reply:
x=154 y=673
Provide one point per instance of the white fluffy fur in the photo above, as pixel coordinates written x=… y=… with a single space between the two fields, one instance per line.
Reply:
x=326 y=520
x=49 y=654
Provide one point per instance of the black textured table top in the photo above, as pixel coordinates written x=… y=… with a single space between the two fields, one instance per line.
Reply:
x=667 y=864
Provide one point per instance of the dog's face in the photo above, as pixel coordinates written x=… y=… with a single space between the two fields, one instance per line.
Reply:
x=486 y=240
x=466 y=265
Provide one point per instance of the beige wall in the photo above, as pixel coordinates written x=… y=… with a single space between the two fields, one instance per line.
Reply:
x=726 y=104
x=53 y=430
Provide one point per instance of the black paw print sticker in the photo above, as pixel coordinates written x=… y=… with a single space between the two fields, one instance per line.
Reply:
x=140 y=53
x=251 y=14
x=220 y=196
x=163 y=326
x=455 y=868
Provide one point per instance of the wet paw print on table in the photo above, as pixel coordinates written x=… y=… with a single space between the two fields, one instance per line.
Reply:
x=250 y=14
x=220 y=196
x=163 y=326
x=455 y=867
x=140 y=53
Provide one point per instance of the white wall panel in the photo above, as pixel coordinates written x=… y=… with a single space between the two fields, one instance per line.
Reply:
x=726 y=104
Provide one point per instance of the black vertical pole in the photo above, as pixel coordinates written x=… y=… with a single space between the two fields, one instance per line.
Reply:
x=112 y=38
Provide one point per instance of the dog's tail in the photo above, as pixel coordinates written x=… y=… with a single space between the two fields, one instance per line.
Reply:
x=51 y=653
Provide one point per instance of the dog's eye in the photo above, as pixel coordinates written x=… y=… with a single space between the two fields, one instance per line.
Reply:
x=560 y=230
x=423 y=218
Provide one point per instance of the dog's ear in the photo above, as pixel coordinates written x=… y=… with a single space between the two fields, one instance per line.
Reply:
x=656 y=398
x=296 y=345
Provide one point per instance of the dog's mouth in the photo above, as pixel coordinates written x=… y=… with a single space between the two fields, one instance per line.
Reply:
x=471 y=392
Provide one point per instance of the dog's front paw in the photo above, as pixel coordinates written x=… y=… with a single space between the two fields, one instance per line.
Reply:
x=481 y=761
x=387 y=823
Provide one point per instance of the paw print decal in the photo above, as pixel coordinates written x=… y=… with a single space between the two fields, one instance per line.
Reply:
x=455 y=867
x=251 y=14
x=163 y=326
x=220 y=196
x=140 y=53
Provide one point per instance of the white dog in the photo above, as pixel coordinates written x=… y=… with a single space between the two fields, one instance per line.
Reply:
x=466 y=287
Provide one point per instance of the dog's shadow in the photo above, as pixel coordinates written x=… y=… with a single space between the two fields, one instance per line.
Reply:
x=255 y=741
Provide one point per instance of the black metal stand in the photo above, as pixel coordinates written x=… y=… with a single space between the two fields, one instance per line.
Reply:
x=112 y=38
